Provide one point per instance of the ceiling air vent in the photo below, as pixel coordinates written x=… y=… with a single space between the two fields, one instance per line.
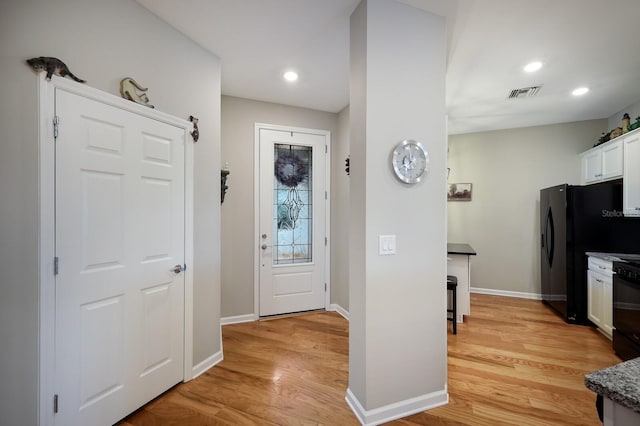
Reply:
x=525 y=92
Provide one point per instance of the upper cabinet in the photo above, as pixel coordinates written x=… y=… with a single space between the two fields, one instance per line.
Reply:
x=591 y=165
x=619 y=158
x=612 y=163
x=604 y=162
x=631 y=186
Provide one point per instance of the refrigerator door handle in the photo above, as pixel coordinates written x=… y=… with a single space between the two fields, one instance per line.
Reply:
x=550 y=237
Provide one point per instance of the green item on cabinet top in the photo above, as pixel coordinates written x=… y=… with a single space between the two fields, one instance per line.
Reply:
x=635 y=125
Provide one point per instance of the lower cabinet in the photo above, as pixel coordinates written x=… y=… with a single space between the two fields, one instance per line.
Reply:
x=600 y=294
x=618 y=415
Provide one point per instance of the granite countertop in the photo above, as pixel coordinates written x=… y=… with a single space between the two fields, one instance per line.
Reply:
x=620 y=383
x=457 y=248
x=612 y=257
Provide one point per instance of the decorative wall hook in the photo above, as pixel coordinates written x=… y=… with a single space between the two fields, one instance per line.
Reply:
x=196 y=133
x=223 y=183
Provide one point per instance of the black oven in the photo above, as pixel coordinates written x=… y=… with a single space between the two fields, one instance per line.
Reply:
x=626 y=309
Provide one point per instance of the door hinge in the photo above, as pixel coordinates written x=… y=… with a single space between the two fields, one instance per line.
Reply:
x=56 y=264
x=325 y=287
x=55 y=403
x=326 y=195
x=326 y=149
x=56 y=122
x=325 y=241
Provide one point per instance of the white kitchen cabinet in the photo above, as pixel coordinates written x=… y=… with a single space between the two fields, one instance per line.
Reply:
x=595 y=287
x=459 y=265
x=612 y=159
x=591 y=165
x=600 y=294
x=618 y=415
x=631 y=186
x=604 y=162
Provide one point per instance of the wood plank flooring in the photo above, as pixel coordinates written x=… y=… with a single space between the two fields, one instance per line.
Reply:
x=513 y=362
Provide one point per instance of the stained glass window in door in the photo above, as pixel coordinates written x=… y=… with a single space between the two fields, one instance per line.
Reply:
x=293 y=199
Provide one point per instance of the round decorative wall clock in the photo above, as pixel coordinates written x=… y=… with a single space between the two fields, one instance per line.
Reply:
x=410 y=161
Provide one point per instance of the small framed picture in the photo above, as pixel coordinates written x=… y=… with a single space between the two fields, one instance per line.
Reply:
x=459 y=192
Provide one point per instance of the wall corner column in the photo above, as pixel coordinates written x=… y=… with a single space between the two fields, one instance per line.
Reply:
x=397 y=303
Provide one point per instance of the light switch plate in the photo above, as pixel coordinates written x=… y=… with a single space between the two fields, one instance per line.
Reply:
x=387 y=245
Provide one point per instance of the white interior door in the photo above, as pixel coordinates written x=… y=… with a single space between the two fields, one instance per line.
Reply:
x=291 y=221
x=119 y=332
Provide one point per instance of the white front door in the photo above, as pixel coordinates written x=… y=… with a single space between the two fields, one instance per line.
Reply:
x=119 y=323
x=291 y=233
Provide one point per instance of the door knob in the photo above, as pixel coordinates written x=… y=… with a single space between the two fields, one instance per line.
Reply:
x=179 y=268
x=264 y=247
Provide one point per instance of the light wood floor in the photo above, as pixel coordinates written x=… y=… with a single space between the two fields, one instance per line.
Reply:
x=513 y=362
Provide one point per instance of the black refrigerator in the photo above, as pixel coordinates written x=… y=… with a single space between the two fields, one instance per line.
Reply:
x=574 y=220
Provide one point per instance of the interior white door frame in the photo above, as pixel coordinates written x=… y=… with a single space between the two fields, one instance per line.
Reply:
x=46 y=229
x=256 y=203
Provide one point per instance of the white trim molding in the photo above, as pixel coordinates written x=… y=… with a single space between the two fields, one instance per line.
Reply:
x=46 y=242
x=506 y=293
x=334 y=307
x=396 y=410
x=238 y=319
x=189 y=232
x=208 y=363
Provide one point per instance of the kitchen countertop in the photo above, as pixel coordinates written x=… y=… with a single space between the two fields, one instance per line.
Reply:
x=620 y=383
x=612 y=257
x=458 y=248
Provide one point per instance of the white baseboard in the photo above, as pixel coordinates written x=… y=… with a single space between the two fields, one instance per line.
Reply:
x=396 y=410
x=334 y=307
x=253 y=317
x=238 y=319
x=506 y=293
x=207 y=364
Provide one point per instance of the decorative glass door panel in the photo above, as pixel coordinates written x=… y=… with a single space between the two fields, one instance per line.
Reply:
x=293 y=204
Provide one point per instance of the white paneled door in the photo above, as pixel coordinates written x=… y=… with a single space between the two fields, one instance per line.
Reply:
x=120 y=224
x=292 y=227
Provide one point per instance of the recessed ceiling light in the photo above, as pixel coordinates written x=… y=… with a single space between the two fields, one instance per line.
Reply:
x=580 y=91
x=291 y=76
x=533 y=66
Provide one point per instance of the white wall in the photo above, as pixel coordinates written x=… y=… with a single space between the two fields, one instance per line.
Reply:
x=397 y=334
x=340 y=184
x=507 y=169
x=102 y=42
x=238 y=236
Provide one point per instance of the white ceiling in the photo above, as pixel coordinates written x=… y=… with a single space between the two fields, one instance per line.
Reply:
x=590 y=43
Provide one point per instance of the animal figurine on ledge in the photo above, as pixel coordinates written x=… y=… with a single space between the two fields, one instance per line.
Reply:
x=128 y=91
x=615 y=133
x=196 y=133
x=52 y=66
